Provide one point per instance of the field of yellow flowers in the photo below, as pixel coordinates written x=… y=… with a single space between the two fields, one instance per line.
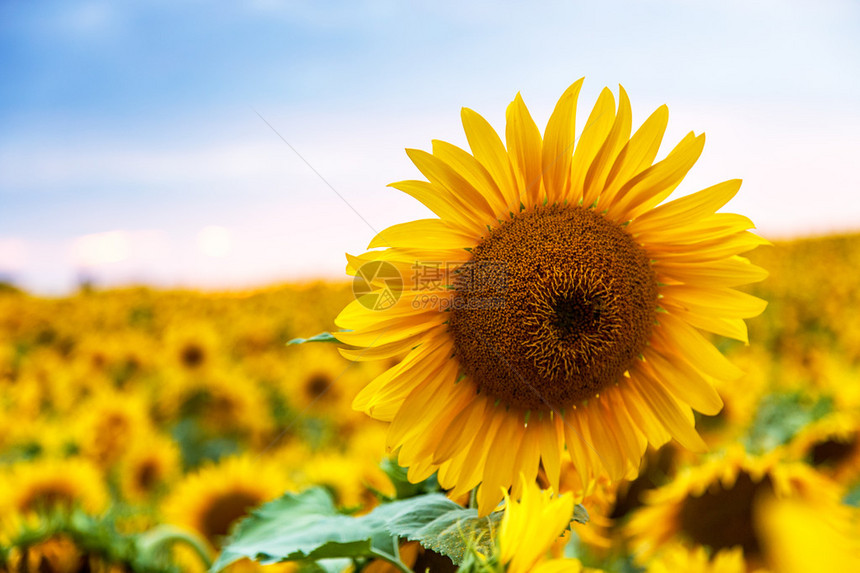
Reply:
x=138 y=426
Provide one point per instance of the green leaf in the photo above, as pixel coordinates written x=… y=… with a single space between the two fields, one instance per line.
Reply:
x=308 y=527
x=304 y=526
x=580 y=514
x=321 y=337
x=402 y=486
x=445 y=527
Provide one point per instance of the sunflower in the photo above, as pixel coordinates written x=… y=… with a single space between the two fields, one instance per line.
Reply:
x=715 y=505
x=799 y=537
x=49 y=484
x=109 y=424
x=352 y=480
x=612 y=503
x=552 y=304
x=211 y=500
x=832 y=446
x=60 y=553
x=529 y=528
x=192 y=348
x=149 y=466
x=679 y=558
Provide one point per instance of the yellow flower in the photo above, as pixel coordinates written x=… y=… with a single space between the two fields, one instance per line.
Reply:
x=530 y=526
x=348 y=478
x=800 y=537
x=832 y=446
x=192 y=348
x=714 y=505
x=149 y=466
x=678 y=558
x=211 y=500
x=554 y=304
x=108 y=424
x=48 y=484
x=57 y=554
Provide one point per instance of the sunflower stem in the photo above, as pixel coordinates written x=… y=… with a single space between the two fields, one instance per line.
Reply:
x=399 y=565
x=162 y=536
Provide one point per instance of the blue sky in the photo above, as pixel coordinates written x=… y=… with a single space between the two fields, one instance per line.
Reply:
x=131 y=148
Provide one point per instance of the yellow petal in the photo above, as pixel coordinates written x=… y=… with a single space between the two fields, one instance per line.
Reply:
x=688 y=209
x=636 y=156
x=669 y=413
x=423 y=233
x=713 y=250
x=731 y=272
x=475 y=174
x=685 y=382
x=645 y=420
x=524 y=147
x=462 y=429
x=392 y=330
x=734 y=328
x=658 y=181
x=439 y=201
x=604 y=444
x=558 y=144
x=723 y=302
x=714 y=227
x=675 y=337
x=386 y=350
x=488 y=148
x=595 y=133
x=550 y=436
x=595 y=180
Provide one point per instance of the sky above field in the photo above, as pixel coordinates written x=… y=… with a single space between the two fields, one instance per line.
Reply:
x=224 y=145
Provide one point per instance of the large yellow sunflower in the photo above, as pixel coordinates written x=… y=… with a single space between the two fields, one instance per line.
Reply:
x=552 y=304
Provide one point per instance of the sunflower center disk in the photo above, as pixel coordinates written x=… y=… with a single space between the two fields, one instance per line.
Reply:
x=554 y=306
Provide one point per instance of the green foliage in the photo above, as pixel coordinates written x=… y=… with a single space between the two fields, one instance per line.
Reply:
x=852 y=498
x=402 y=486
x=96 y=538
x=447 y=528
x=321 y=337
x=781 y=416
x=307 y=526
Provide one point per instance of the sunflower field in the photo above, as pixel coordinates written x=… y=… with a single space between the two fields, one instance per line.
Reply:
x=137 y=427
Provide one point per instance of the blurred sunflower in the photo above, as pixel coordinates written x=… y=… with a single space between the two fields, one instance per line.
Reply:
x=351 y=480
x=553 y=304
x=798 y=537
x=192 y=348
x=714 y=505
x=59 y=554
x=215 y=497
x=109 y=423
x=149 y=466
x=832 y=446
x=49 y=484
x=678 y=558
x=610 y=504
